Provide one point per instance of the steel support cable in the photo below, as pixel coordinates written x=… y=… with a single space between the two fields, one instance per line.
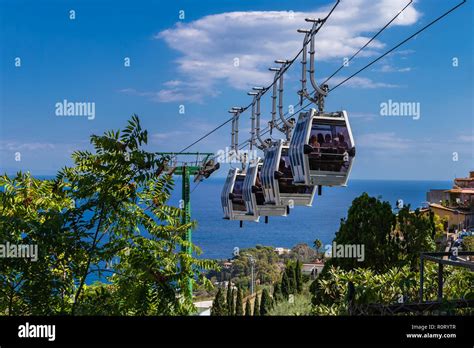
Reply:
x=387 y=52
x=283 y=70
x=243 y=145
x=400 y=44
x=368 y=42
x=287 y=66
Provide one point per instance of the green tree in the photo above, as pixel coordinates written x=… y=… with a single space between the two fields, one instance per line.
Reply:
x=219 y=307
x=248 y=308
x=285 y=286
x=230 y=299
x=370 y=223
x=290 y=271
x=299 y=277
x=317 y=244
x=418 y=232
x=107 y=216
x=32 y=213
x=266 y=303
x=239 y=308
x=468 y=243
x=256 y=306
x=330 y=290
x=277 y=294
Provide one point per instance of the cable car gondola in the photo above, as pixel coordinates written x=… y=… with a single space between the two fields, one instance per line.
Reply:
x=277 y=179
x=232 y=197
x=254 y=194
x=322 y=149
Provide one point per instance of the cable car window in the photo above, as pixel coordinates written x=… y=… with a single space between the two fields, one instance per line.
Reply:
x=330 y=144
x=259 y=193
x=285 y=182
x=237 y=194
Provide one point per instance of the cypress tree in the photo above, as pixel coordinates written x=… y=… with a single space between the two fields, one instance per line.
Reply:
x=219 y=305
x=256 y=307
x=277 y=295
x=248 y=308
x=265 y=304
x=285 y=286
x=229 y=298
x=299 y=277
x=239 y=308
x=291 y=277
x=232 y=303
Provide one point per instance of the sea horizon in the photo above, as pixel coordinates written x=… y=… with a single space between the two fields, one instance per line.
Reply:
x=217 y=237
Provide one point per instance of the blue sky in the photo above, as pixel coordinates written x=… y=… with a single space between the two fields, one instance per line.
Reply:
x=190 y=62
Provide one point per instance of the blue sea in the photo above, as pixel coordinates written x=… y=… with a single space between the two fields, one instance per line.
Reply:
x=218 y=237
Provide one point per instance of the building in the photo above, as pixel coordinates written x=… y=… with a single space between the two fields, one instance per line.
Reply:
x=312 y=269
x=281 y=251
x=455 y=205
x=203 y=308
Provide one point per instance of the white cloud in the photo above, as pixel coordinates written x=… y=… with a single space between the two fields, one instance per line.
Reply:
x=209 y=45
x=383 y=141
x=18 y=146
x=466 y=138
x=364 y=116
x=362 y=82
x=387 y=68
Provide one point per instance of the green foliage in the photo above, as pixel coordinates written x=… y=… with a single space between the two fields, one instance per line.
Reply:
x=248 y=308
x=393 y=243
x=290 y=272
x=330 y=290
x=417 y=231
x=105 y=216
x=32 y=212
x=266 y=304
x=300 y=306
x=230 y=299
x=256 y=306
x=439 y=224
x=277 y=294
x=468 y=243
x=219 y=305
x=317 y=244
x=239 y=308
x=266 y=268
x=369 y=222
x=389 y=239
x=285 y=286
x=299 y=277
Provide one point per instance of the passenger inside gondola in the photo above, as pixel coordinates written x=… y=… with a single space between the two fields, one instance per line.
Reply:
x=237 y=194
x=259 y=193
x=285 y=182
x=329 y=148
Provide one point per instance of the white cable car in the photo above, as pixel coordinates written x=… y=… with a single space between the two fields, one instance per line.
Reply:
x=254 y=195
x=322 y=149
x=232 y=197
x=277 y=179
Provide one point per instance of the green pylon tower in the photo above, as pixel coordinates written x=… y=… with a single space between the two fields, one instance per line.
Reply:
x=186 y=170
